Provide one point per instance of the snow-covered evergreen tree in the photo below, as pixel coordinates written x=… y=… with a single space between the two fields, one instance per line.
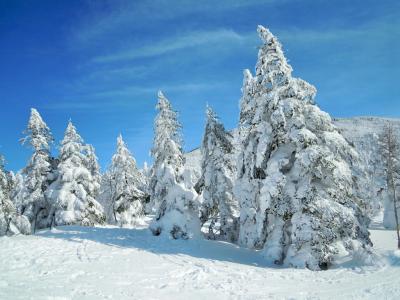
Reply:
x=176 y=205
x=294 y=186
x=126 y=183
x=73 y=193
x=167 y=149
x=37 y=174
x=10 y=221
x=219 y=206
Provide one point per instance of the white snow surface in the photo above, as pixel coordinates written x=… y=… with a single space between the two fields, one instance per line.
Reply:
x=75 y=262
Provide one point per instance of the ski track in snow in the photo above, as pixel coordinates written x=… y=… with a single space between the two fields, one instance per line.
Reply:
x=113 y=263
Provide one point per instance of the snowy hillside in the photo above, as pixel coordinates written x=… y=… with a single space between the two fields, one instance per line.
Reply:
x=114 y=263
x=355 y=129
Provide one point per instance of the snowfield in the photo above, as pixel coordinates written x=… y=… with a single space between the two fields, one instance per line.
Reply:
x=116 y=263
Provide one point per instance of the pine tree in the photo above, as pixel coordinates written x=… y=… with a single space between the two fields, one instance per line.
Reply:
x=73 y=193
x=294 y=185
x=37 y=174
x=176 y=205
x=10 y=221
x=219 y=205
x=126 y=184
x=167 y=147
x=390 y=154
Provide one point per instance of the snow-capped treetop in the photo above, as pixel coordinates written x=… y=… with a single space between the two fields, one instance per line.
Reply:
x=167 y=138
x=38 y=135
x=217 y=131
x=2 y=162
x=3 y=177
x=271 y=60
x=71 y=143
x=247 y=101
x=122 y=149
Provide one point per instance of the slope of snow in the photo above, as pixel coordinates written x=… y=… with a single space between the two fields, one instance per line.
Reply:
x=113 y=263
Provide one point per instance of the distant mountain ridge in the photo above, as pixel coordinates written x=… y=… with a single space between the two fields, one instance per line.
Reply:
x=353 y=129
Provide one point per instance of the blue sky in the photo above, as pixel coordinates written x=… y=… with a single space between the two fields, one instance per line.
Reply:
x=101 y=63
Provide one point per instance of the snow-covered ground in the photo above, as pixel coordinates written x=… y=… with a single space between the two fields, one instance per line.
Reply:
x=114 y=263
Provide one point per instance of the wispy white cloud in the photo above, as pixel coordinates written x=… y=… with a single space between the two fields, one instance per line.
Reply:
x=187 y=40
x=132 y=91
x=106 y=20
x=125 y=97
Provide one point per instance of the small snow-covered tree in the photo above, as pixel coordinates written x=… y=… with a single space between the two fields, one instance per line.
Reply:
x=294 y=186
x=390 y=151
x=73 y=193
x=126 y=183
x=37 y=174
x=176 y=205
x=219 y=206
x=10 y=221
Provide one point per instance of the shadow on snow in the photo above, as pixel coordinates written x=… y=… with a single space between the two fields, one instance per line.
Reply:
x=142 y=239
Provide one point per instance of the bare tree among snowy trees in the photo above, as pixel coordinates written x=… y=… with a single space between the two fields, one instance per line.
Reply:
x=126 y=197
x=37 y=174
x=74 y=193
x=10 y=221
x=176 y=205
x=294 y=186
x=219 y=207
x=390 y=150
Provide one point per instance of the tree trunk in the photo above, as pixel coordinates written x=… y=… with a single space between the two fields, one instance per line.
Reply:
x=395 y=210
